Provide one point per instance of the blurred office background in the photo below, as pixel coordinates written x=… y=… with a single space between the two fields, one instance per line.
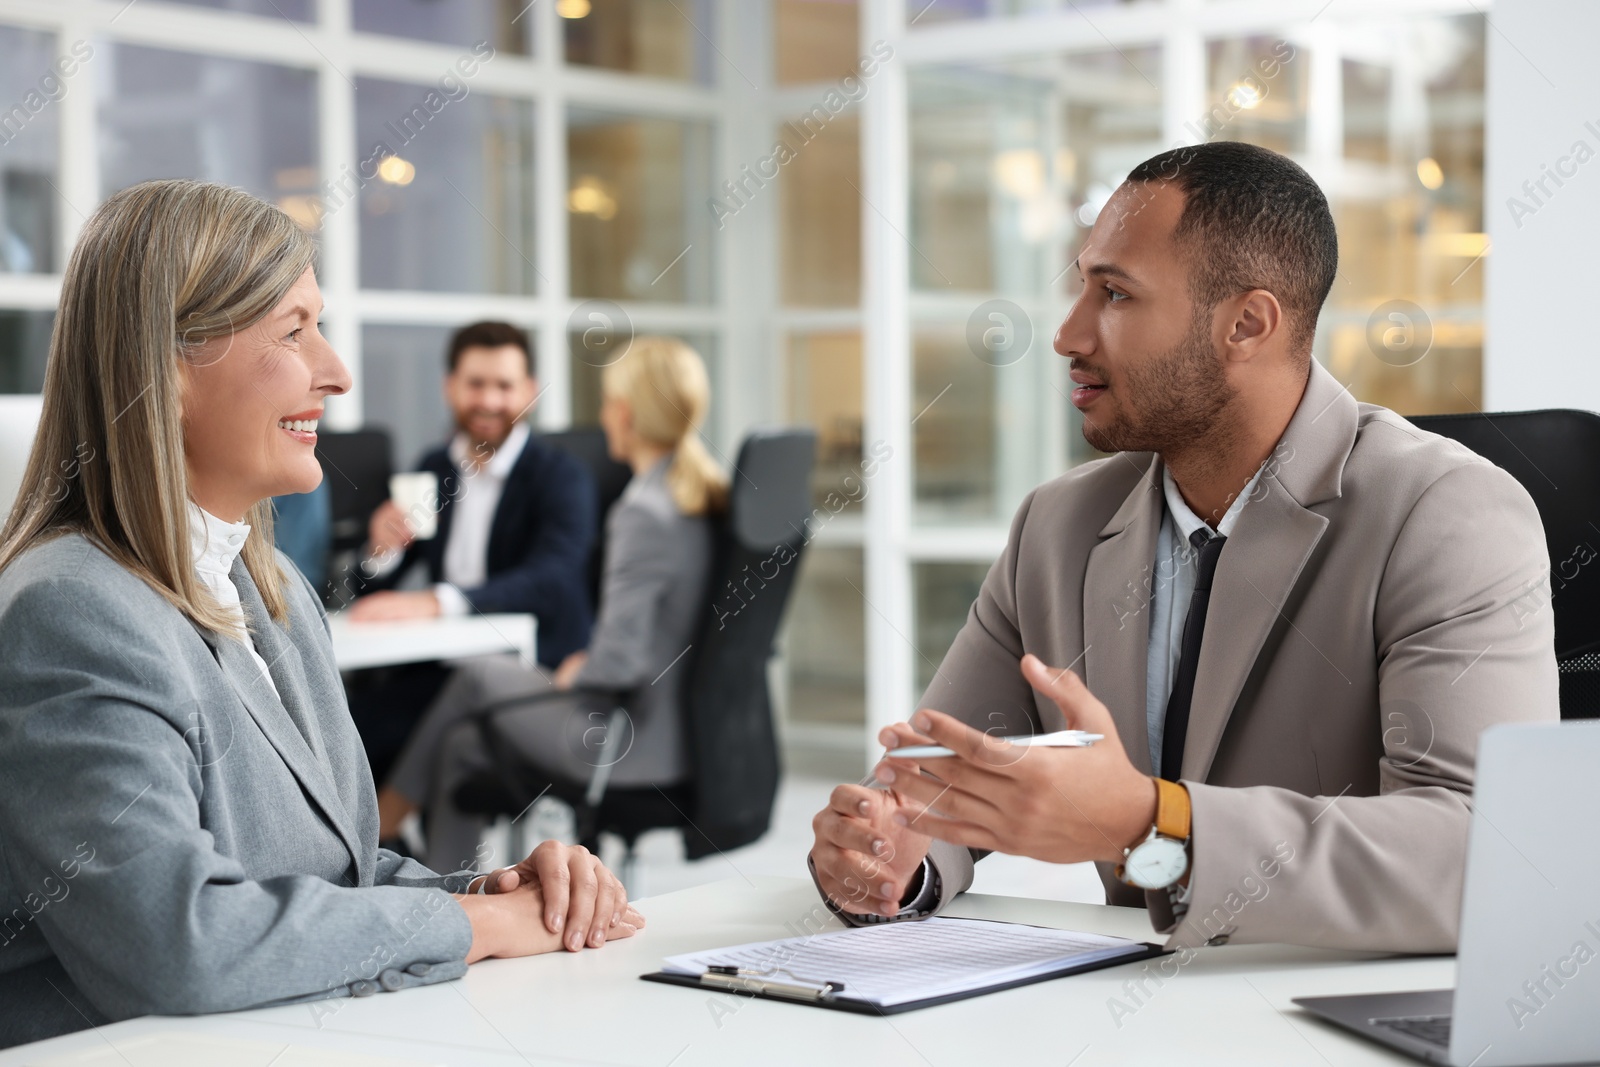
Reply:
x=615 y=164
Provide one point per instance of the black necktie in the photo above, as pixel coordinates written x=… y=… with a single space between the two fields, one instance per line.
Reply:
x=1176 y=730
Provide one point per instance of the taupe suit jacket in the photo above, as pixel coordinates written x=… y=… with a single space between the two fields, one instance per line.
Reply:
x=1382 y=600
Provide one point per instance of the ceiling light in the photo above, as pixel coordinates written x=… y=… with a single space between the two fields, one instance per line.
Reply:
x=396 y=171
x=1245 y=96
x=1463 y=245
x=590 y=197
x=1429 y=173
x=305 y=210
x=1020 y=172
x=572 y=9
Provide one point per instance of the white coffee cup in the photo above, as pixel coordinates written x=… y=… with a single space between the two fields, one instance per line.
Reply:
x=417 y=497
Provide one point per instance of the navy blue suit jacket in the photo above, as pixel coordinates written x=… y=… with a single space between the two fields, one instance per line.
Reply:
x=539 y=544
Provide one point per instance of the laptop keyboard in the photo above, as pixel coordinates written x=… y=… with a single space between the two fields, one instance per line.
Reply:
x=1434 y=1029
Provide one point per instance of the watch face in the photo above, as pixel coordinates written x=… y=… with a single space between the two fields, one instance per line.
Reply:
x=1156 y=863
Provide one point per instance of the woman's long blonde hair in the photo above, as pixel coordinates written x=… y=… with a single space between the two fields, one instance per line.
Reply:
x=161 y=268
x=665 y=385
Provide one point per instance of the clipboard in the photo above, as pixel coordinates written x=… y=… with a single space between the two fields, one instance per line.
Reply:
x=778 y=985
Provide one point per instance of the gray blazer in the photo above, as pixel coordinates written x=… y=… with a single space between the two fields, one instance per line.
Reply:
x=174 y=838
x=652 y=601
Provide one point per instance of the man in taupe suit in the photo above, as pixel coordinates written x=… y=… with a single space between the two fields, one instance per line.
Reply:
x=1289 y=613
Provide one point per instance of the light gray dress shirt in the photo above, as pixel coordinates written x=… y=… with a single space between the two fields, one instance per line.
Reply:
x=1171 y=588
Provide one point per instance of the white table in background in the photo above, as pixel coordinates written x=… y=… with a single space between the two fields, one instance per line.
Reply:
x=1230 y=1006
x=384 y=644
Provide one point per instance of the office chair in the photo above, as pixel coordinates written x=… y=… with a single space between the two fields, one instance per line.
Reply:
x=1555 y=454
x=733 y=779
x=588 y=446
x=356 y=466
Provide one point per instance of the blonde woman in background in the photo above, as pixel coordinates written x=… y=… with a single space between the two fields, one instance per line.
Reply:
x=657 y=574
x=187 y=821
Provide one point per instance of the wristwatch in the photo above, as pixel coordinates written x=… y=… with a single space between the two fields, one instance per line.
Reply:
x=1162 y=858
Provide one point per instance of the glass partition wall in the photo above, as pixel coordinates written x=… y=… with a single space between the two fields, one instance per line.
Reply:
x=456 y=159
x=862 y=214
x=990 y=144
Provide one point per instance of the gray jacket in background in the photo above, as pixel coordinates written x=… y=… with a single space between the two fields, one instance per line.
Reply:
x=652 y=603
x=174 y=838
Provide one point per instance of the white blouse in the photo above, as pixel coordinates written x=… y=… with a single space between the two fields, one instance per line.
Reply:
x=215 y=545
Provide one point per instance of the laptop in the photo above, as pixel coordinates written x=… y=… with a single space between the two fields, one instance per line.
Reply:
x=1528 y=963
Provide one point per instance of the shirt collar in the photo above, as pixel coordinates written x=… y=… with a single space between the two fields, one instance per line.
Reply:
x=213 y=543
x=504 y=458
x=1188 y=522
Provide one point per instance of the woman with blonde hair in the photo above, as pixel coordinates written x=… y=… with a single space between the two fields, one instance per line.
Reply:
x=187 y=821
x=657 y=574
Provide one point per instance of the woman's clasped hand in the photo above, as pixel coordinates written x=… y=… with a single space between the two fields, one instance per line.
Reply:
x=561 y=896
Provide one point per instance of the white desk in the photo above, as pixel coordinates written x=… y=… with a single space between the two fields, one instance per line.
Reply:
x=383 y=644
x=1229 y=1006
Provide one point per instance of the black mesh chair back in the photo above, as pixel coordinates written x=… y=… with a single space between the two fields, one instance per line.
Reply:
x=732 y=739
x=1555 y=454
x=588 y=446
x=356 y=466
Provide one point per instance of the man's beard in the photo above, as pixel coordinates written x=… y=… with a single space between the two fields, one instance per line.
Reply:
x=1171 y=403
x=494 y=440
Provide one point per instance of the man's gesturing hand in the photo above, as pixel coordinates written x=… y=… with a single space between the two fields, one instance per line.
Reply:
x=1061 y=805
x=863 y=858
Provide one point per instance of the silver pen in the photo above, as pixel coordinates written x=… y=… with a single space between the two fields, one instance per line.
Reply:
x=1059 y=739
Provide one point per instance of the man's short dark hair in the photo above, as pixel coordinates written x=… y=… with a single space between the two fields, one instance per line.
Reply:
x=1252 y=219
x=488 y=335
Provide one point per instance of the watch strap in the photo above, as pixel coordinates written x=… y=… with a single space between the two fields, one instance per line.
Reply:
x=1172 y=810
x=921 y=906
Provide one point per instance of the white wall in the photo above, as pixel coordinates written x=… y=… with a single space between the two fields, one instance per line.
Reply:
x=19 y=419
x=1543 y=288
